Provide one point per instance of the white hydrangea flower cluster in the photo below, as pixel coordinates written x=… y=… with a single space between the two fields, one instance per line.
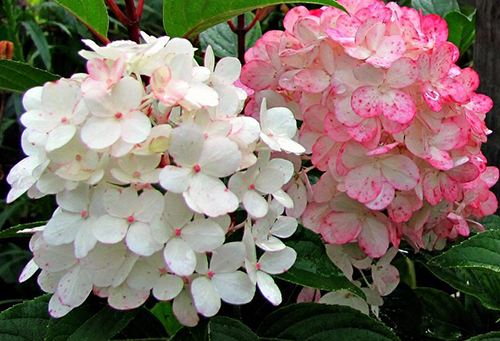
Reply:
x=149 y=159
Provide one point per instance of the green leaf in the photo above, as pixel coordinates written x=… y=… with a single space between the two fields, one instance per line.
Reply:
x=313 y=268
x=26 y=321
x=19 y=77
x=92 y=13
x=482 y=284
x=437 y=321
x=164 y=313
x=13 y=259
x=225 y=42
x=217 y=329
x=13 y=231
x=189 y=18
x=491 y=222
x=93 y=322
x=316 y=322
x=462 y=31
x=438 y=7
x=494 y=336
x=40 y=42
x=479 y=251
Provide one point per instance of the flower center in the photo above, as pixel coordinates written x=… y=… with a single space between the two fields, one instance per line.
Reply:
x=78 y=157
x=178 y=232
x=197 y=168
x=119 y=115
x=252 y=186
x=64 y=120
x=136 y=174
x=257 y=266
x=84 y=214
x=130 y=219
x=210 y=274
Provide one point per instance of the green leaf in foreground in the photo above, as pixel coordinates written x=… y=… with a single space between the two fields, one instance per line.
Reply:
x=437 y=321
x=13 y=231
x=480 y=283
x=92 y=13
x=462 y=31
x=92 y=322
x=315 y=322
x=26 y=321
x=313 y=268
x=479 y=251
x=494 y=336
x=438 y=7
x=217 y=329
x=19 y=77
x=189 y=18
x=491 y=222
x=225 y=42
x=165 y=314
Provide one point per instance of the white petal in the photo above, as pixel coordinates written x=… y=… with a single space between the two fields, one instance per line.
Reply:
x=228 y=258
x=151 y=204
x=205 y=297
x=135 y=127
x=234 y=287
x=284 y=227
x=143 y=276
x=122 y=203
x=29 y=270
x=179 y=257
x=74 y=201
x=277 y=262
x=85 y=239
x=140 y=240
x=176 y=212
x=110 y=230
x=212 y=196
x=346 y=298
x=268 y=288
x=59 y=136
x=56 y=308
x=100 y=132
x=186 y=144
x=184 y=310
x=270 y=180
x=284 y=166
x=124 y=297
x=203 y=235
x=283 y=198
x=255 y=204
x=176 y=179
x=62 y=227
x=167 y=287
x=220 y=157
x=75 y=287
x=48 y=281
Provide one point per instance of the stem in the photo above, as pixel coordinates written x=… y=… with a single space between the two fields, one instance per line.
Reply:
x=103 y=39
x=231 y=26
x=133 y=27
x=118 y=13
x=241 y=32
x=255 y=20
x=140 y=7
x=12 y=30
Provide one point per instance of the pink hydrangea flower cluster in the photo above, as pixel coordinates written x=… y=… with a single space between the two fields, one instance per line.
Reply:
x=149 y=158
x=391 y=122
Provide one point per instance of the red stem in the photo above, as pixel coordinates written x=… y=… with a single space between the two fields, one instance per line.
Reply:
x=241 y=32
x=231 y=26
x=254 y=21
x=140 y=7
x=133 y=27
x=118 y=13
x=103 y=39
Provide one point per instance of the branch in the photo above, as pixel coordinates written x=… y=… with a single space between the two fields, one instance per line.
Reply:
x=140 y=7
x=118 y=13
x=103 y=39
x=133 y=27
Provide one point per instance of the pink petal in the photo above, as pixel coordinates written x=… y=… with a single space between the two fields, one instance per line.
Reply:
x=374 y=236
x=258 y=75
x=402 y=73
x=365 y=101
x=340 y=227
x=364 y=183
x=313 y=80
x=391 y=49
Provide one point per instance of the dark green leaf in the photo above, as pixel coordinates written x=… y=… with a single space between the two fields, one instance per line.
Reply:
x=313 y=268
x=479 y=251
x=318 y=322
x=19 y=77
x=494 y=336
x=482 y=284
x=217 y=329
x=92 y=13
x=26 y=321
x=40 y=41
x=13 y=259
x=189 y=18
x=164 y=313
x=93 y=322
x=13 y=231
x=462 y=31
x=225 y=42
x=438 y=7
x=491 y=222
x=438 y=322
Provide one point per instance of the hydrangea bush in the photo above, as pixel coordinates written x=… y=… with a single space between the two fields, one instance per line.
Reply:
x=180 y=181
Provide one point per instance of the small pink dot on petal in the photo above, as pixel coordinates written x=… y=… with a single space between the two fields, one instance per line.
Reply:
x=252 y=186
x=119 y=115
x=84 y=214
x=197 y=168
x=130 y=219
x=210 y=274
x=136 y=174
x=257 y=266
x=178 y=232
x=64 y=120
